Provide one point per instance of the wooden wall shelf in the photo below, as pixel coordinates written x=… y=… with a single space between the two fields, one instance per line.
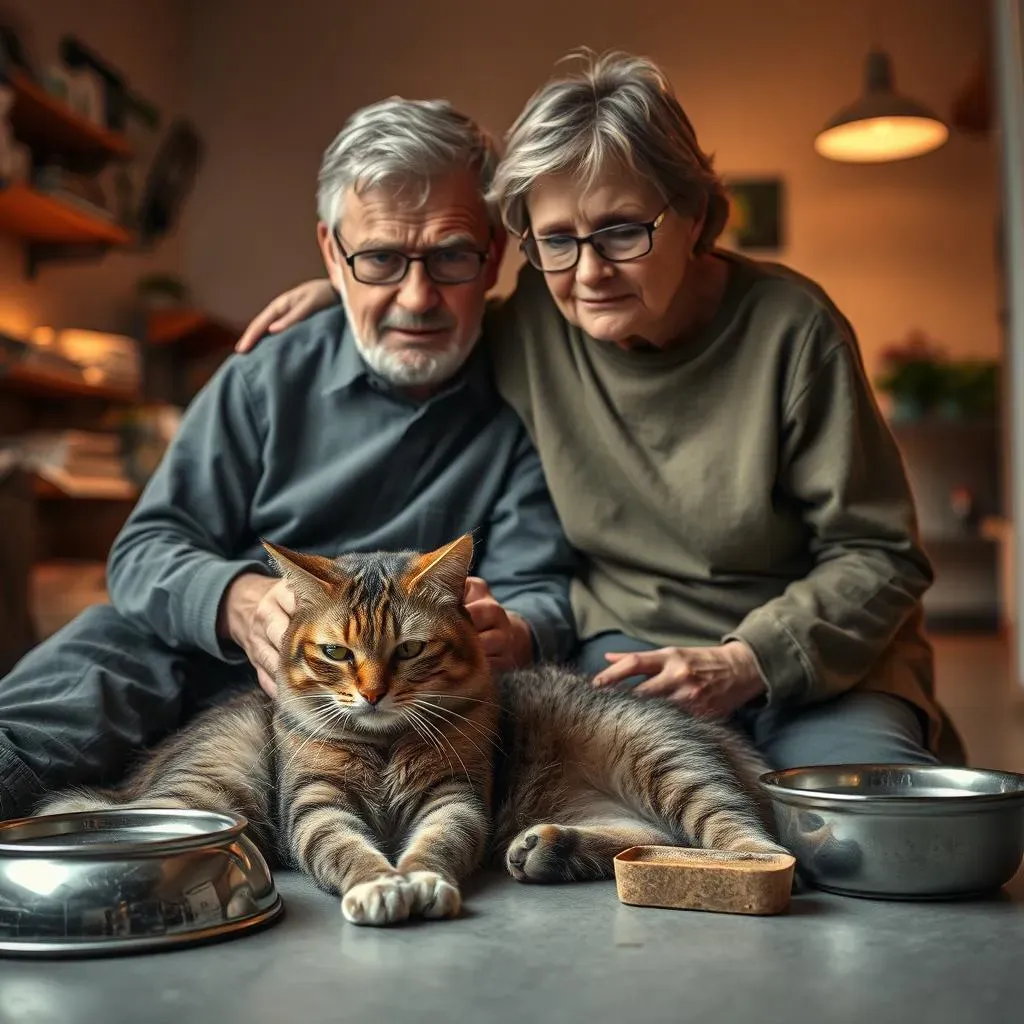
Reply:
x=192 y=329
x=28 y=381
x=57 y=517
x=47 y=125
x=46 y=491
x=36 y=217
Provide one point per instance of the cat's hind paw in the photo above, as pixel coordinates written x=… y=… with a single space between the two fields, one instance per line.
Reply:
x=542 y=853
x=433 y=896
x=385 y=900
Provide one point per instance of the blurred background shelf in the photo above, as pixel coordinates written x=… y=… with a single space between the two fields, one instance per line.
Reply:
x=45 y=490
x=34 y=216
x=61 y=588
x=47 y=125
x=34 y=383
x=193 y=329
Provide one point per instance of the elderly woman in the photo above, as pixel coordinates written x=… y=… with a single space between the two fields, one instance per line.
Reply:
x=747 y=535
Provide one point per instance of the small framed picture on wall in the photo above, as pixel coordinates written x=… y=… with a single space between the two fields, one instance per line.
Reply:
x=756 y=211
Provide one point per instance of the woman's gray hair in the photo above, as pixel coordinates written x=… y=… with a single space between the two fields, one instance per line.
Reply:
x=402 y=143
x=618 y=109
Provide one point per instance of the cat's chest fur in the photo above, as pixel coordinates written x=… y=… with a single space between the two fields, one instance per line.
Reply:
x=385 y=782
x=395 y=784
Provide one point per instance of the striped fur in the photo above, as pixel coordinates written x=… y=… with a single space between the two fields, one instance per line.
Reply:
x=371 y=771
x=375 y=773
x=587 y=773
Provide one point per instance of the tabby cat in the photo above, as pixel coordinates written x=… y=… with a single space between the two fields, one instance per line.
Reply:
x=374 y=770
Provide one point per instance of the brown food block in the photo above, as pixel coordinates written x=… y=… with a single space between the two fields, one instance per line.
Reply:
x=691 y=879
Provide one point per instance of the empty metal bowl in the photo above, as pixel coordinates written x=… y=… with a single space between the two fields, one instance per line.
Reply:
x=900 y=831
x=127 y=880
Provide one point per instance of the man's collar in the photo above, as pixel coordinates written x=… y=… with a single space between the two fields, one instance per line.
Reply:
x=350 y=366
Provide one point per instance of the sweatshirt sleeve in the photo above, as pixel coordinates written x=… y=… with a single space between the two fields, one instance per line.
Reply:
x=178 y=551
x=839 y=463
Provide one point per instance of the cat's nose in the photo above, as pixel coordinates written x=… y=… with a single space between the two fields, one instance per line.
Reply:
x=373 y=699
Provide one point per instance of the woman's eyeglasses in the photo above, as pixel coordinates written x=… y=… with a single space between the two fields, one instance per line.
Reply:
x=619 y=243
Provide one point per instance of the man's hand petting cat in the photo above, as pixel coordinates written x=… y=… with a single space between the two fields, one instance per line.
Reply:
x=255 y=613
x=708 y=681
x=505 y=637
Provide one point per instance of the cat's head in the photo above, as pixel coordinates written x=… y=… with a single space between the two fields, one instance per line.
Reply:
x=374 y=633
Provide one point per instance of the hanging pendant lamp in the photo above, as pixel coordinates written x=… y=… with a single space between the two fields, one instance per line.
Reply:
x=881 y=125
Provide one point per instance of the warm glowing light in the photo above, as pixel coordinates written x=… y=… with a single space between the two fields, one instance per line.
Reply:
x=878 y=139
x=82 y=346
x=16 y=319
x=43 y=337
x=882 y=125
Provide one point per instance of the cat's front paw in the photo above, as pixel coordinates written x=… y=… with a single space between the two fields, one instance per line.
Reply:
x=542 y=853
x=432 y=895
x=385 y=900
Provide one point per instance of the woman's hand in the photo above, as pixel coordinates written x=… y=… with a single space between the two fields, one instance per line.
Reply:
x=708 y=681
x=287 y=309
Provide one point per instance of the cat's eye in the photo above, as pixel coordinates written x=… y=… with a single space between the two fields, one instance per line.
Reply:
x=409 y=649
x=335 y=652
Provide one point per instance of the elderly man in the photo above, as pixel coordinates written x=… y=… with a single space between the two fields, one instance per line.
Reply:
x=379 y=429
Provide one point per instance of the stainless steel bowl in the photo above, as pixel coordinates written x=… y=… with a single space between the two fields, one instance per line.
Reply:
x=127 y=880
x=900 y=831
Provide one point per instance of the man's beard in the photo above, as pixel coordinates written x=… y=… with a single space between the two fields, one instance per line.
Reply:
x=411 y=366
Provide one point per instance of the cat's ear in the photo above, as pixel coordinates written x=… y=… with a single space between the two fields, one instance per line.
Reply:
x=309 y=574
x=445 y=568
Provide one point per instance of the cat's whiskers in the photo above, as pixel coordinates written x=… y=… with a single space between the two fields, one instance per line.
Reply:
x=441 y=740
x=488 y=736
x=416 y=728
x=273 y=741
x=302 y=746
x=489 y=733
x=417 y=722
x=433 y=710
x=320 y=726
x=458 y=696
x=441 y=736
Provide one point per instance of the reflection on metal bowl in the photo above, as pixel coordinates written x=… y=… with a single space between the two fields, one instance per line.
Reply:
x=900 y=831
x=128 y=880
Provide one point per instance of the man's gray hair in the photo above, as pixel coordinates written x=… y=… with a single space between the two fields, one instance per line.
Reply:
x=618 y=110
x=402 y=143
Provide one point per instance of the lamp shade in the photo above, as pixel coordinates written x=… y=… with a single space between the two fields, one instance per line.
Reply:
x=881 y=125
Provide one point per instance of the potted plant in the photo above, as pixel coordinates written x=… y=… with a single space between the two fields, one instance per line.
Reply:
x=921 y=382
x=912 y=376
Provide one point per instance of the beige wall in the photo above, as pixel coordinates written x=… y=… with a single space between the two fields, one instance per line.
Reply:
x=899 y=246
x=147 y=41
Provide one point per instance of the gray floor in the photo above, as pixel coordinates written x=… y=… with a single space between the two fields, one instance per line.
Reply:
x=575 y=954
x=563 y=954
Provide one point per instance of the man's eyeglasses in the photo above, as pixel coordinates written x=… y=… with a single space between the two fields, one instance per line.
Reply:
x=452 y=264
x=619 y=243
